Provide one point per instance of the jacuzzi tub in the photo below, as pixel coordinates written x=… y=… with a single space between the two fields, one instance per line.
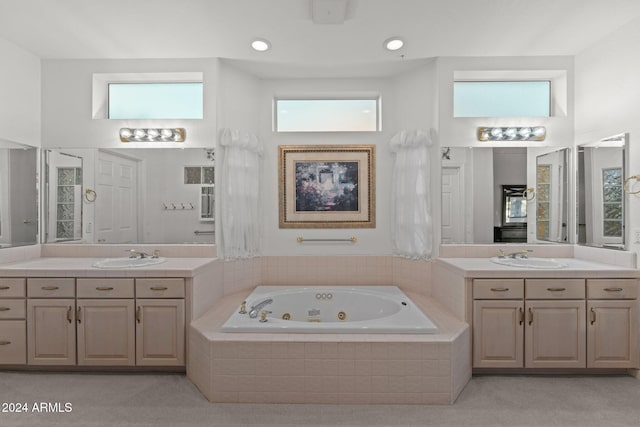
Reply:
x=338 y=309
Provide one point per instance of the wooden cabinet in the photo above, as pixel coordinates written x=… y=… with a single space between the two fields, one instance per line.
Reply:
x=555 y=334
x=51 y=330
x=498 y=334
x=612 y=313
x=160 y=322
x=555 y=323
x=13 y=329
x=94 y=322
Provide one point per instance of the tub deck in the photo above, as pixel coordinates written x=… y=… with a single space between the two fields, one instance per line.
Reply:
x=329 y=368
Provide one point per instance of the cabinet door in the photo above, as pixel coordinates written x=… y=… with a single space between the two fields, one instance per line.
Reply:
x=160 y=332
x=611 y=334
x=498 y=334
x=51 y=333
x=555 y=335
x=106 y=332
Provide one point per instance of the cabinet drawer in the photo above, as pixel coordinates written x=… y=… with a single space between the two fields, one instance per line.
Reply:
x=13 y=342
x=498 y=288
x=160 y=288
x=612 y=288
x=105 y=288
x=554 y=288
x=12 y=287
x=12 y=309
x=51 y=287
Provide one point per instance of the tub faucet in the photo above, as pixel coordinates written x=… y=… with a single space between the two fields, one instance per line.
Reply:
x=255 y=309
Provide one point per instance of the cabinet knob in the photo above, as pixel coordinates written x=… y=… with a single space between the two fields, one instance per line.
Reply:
x=613 y=289
x=50 y=288
x=78 y=315
x=139 y=314
x=500 y=289
x=5 y=342
x=556 y=289
x=104 y=288
x=593 y=316
x=521 y=315
x=69 y=311
x=4 y=309
x=158 y=288
x=530 y=316
x=4 y=288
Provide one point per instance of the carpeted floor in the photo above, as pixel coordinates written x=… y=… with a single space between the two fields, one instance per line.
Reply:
x=171 y=400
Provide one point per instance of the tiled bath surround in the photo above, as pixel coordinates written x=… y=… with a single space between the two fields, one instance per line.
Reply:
x=329 y=368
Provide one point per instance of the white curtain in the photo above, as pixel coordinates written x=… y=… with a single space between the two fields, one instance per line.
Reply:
x=239 y=192
x=411 y=225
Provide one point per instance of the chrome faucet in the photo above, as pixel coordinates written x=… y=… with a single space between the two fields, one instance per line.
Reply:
x=137 y=254
x=255 y=309
x=520 y=254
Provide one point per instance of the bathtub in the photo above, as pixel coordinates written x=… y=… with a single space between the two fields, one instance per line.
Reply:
x=339 y=309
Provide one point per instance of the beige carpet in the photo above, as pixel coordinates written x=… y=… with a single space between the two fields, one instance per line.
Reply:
x=171 y=400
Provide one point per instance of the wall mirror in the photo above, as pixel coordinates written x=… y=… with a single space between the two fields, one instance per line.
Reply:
x=18 y=194
x=130 y=195
x=601 y=201
x=485 y=195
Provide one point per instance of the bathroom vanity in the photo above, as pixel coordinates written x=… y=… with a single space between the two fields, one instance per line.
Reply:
x=77 y=315
x=582 y=316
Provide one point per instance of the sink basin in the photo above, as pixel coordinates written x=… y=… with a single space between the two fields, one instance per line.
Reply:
x=128 y=262
x=541 y=263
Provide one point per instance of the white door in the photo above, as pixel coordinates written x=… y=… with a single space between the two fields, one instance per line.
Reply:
x=452 y=206
x=116 y=205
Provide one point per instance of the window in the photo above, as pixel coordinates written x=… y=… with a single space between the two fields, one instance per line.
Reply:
x=199 y=174
x=180 y=100
x=68 y=210
x=502 y=98
x=612 y=202
x=327 y=115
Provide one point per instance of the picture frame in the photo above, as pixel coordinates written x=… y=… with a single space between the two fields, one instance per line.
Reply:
x=327 y=186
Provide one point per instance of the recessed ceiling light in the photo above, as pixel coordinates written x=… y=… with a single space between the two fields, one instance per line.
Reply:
x=261 y=45
x=393 y=43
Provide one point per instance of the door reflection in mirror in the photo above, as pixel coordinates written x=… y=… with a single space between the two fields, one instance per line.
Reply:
x=18 y=195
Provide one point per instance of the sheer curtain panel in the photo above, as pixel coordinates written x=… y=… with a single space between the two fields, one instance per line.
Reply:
x=240 y=194
x=411 y=224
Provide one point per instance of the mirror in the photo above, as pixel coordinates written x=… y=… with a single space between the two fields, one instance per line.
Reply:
x=472 y=193
x=18 y=195
x=601 y=209
x=485 y=197
x=131 y=195
x=552 y=196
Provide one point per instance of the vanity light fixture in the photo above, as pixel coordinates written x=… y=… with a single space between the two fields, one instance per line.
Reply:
x=393 y=43
x=525 y=133
x=153 y=134
x=260 y=45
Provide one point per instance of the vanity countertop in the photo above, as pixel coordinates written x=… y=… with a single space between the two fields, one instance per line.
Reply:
x=576 y=268
x=83 y=267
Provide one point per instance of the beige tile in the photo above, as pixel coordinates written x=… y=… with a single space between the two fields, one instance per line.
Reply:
x=379 y=384
x=346 y=367
x=362 y=367
x=346 y=350
x=283 y=367
x=224 y=397
x=321 y=398
x=347 y=384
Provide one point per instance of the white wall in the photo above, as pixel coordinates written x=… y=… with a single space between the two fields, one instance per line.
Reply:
x=20 y=99
x=283 y=241
x=607 y=91
x=463 y=131
x=67 y=87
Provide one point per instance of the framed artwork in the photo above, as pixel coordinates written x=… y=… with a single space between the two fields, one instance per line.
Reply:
x=327 y=186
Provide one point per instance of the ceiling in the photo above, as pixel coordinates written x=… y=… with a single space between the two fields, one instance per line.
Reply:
x=224 y=28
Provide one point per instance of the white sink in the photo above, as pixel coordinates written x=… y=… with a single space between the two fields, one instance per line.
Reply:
x=128 y=262
x=541 y=263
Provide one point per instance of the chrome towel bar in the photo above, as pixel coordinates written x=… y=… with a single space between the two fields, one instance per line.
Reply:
x=300 y=239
